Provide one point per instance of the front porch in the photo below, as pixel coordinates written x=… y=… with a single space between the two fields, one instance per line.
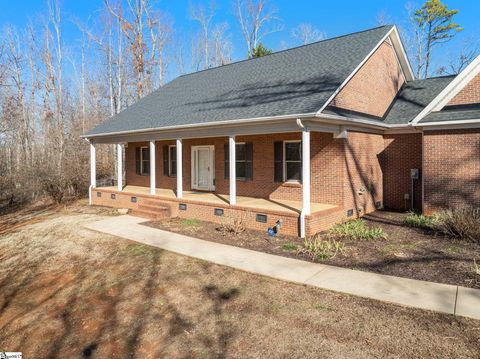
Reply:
x=294 y=174
x=259 y=213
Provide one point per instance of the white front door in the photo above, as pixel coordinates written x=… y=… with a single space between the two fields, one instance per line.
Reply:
x=203 y=171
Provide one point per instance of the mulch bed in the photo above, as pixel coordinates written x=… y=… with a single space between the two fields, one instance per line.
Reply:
x=408 y=252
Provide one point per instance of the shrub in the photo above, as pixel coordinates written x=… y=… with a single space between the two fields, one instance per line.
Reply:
x=476 y=268
x=190 y=222
x=462 y=223
x=356 y=230
x=289 y=246
x=319 y=249
x=420 y=221
x=234 y=225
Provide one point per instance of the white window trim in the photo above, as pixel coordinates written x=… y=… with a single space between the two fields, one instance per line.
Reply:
x=142 y=172
x=170 y=161
x=284 y=160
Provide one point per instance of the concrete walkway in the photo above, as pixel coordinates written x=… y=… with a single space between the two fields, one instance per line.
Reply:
x=413 y=293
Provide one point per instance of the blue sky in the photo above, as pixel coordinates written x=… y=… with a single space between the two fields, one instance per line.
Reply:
x=332 y=17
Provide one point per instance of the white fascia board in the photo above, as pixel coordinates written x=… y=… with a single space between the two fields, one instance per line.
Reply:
x=449 y=92
x=402 y=55
x=449 y=125
x=206 y=124
x=342 y=120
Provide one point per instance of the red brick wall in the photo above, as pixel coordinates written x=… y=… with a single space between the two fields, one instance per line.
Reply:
x=470 y=94
x=402 y=153
x=326 y=157
x=374 y=86
x=451 y=169
x=363 y=170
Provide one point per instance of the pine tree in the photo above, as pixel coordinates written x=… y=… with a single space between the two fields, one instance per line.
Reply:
x=437 y=20
x=260 y=51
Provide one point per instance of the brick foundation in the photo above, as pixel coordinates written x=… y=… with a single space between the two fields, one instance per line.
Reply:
x=206 y=212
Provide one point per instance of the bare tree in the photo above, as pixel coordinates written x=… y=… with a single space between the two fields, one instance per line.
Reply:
x=415 y=39
x=383 y=18
x=222 y=45
x=306 y=34
x=457 y=63
x=204 y=17
x=257 y=19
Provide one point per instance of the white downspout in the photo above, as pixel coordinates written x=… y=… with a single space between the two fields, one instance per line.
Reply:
x=306 y=200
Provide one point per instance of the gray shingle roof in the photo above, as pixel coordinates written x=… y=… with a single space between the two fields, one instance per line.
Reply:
x=452 y=115
x=414 y=97
x=294 y=81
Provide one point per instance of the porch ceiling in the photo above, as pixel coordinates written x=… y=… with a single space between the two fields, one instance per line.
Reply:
x=222 y=199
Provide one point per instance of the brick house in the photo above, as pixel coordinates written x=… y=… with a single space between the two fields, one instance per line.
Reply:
x=318 y=134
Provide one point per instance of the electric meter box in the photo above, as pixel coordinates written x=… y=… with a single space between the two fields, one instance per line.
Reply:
x=415 y=173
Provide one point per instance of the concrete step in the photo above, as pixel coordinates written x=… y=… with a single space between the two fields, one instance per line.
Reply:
x=154 y=202
x=155 y=215
x=152 y=208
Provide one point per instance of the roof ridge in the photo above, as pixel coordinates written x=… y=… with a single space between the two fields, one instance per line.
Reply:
x=285 y=50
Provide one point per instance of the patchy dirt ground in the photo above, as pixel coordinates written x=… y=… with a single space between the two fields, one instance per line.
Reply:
x=68 y=292
x=408 y=252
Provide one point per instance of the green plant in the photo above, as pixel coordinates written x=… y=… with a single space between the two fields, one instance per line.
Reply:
x=356 y=230
x=420 y=221
x=190 y=222
x=319 y=249
x=289 y=246
x=462 y=223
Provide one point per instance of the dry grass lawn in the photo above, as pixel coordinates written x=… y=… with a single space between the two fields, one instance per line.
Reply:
x=68 y=292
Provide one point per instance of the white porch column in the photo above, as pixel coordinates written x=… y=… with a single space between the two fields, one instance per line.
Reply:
x=179 y=168
x=119 y=166
x=233 y=170
x=152 y=167
x=306 y=208
x=93 y=172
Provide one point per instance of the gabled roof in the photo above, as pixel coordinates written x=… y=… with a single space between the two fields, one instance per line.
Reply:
x=295 y=81
x=414 y=97
x=450 y=91
x=452 y=115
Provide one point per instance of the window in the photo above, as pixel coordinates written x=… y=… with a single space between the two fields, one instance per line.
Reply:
x=292 y=157
x=172 y=160
x=144 y=160
x=169 y=160
x=243 y=161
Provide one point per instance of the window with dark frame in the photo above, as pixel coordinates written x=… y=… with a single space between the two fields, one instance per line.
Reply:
x=144 y=161
x=172 y=161
x=292 y=158
x=241 y=160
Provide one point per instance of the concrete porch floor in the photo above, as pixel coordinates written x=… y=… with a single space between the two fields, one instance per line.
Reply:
x=222 y=199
